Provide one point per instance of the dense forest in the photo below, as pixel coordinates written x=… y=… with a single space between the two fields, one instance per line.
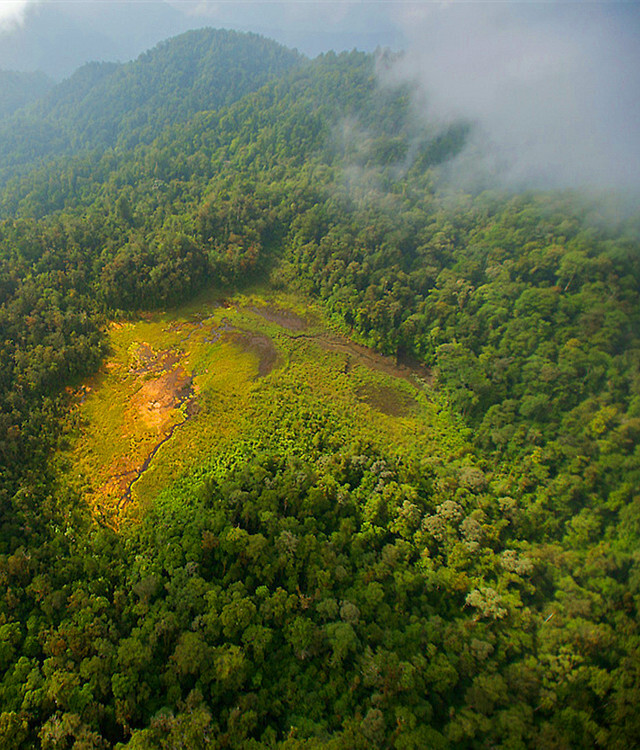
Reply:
x=110 y=105
x=309 y=588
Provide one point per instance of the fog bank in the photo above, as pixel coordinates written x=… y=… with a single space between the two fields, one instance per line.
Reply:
x=553 y=89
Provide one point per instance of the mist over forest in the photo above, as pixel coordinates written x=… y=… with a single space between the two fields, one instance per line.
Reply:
x=319 y=375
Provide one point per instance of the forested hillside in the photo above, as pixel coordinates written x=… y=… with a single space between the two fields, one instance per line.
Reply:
x=110 y=105
x=458 y=572
x=19 y=89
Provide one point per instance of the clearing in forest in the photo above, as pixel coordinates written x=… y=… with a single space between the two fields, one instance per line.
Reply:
x=181 y=386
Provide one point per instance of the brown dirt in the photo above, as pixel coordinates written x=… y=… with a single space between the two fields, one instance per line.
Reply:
x=156 y=399
x=258 y=343
x=163 y=387
x=357 y=354
x=284 y=318
x=387 y=399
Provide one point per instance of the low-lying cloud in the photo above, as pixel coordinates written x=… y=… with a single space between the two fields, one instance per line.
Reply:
x=12 y=12
x=553 y=90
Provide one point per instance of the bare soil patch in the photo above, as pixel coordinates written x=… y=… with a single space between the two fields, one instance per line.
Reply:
x=156 y=399
x=260 y=344
x=162 y=387
x=284 y=318
x=387 y=399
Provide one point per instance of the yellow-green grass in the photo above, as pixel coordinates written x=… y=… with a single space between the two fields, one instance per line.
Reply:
x=138 y=436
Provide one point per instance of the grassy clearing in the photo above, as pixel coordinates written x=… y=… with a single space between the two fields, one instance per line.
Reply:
x=259 y=370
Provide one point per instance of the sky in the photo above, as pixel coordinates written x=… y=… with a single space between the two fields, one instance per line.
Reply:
x=552 y=88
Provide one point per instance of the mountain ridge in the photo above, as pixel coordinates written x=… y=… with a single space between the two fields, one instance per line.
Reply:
x=103 y=104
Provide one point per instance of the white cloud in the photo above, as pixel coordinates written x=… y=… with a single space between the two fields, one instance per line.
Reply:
x=12 y=12
x=553 y=88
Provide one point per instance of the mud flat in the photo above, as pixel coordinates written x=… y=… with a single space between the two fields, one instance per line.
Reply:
x=387 y=399
x=283 y=318
x=261 y=345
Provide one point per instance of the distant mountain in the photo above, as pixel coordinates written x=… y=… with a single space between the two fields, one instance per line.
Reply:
x=331 y=109
x=108 y=104
x=18 y=89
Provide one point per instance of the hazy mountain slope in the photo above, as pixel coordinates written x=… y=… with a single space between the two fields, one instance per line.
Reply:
x=332 y=110
x=105 y=105
x=18 y=89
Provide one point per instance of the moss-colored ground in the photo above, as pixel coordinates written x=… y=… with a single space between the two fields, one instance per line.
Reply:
x=260 y=369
